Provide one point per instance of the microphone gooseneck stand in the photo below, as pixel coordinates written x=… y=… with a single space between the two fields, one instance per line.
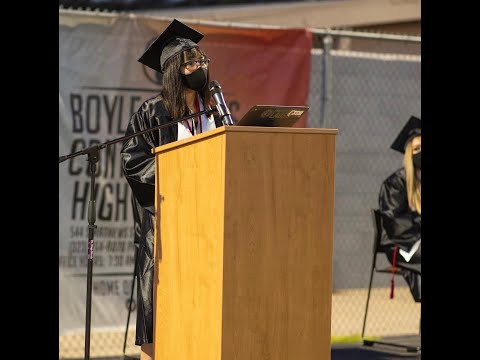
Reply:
x=93 y=154
x=130 y=302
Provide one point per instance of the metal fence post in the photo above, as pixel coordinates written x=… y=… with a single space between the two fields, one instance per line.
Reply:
x=326 y=82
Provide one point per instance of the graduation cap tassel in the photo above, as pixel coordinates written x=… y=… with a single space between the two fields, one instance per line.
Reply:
x=392 y=286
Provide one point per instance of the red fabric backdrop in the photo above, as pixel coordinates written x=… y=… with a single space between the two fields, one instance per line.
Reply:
x=259 y=66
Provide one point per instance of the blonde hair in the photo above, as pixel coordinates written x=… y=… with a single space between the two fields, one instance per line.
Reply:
x=414 y=185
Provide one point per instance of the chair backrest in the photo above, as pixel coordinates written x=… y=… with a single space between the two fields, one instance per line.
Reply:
x=377 y=231
x=377 y=244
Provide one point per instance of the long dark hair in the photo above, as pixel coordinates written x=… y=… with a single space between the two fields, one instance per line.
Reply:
x=173 y=89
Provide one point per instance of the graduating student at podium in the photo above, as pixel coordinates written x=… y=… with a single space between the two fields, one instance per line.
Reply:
x=400 y=204
x=185 y=75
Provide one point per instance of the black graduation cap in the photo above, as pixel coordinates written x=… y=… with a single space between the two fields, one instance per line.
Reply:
x=412 y=128
x=177 y=37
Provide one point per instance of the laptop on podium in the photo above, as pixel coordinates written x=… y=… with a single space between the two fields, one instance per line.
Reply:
x=272 y=115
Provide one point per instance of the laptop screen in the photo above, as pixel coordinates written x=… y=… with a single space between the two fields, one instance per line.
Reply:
x=272 y=115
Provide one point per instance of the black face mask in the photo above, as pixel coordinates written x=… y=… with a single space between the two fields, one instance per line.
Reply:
x=417 y=160
x=196 y=80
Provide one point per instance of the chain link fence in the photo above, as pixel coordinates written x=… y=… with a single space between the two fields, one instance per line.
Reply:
x=368 y=95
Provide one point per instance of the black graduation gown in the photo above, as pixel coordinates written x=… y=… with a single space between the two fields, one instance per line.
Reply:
x=138 y=164
x=402 y=228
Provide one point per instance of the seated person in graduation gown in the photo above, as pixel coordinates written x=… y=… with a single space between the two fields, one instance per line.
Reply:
x=400 y=206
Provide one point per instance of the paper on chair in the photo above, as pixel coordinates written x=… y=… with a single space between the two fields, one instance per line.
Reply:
x=407 y=255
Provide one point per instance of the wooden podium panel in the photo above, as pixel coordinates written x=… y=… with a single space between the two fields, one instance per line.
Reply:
x=243 y=245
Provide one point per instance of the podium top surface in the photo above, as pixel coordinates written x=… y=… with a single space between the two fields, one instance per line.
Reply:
x=234 y=128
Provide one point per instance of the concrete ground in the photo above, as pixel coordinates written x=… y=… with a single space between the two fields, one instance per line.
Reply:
x=387 y=317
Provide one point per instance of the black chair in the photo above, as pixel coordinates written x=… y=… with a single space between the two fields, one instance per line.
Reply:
x=379 y=249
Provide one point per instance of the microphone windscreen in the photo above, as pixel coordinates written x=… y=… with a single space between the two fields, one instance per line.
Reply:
x=213 y=84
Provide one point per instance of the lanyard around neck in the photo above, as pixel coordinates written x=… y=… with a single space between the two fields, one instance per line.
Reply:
x=192 y=128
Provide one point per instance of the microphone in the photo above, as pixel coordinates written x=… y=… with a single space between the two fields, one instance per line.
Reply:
x=216 y=92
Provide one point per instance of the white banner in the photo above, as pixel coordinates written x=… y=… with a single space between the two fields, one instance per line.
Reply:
x=101 y=85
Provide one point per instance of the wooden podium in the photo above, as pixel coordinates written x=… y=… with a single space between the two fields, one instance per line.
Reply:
x=243 y=245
